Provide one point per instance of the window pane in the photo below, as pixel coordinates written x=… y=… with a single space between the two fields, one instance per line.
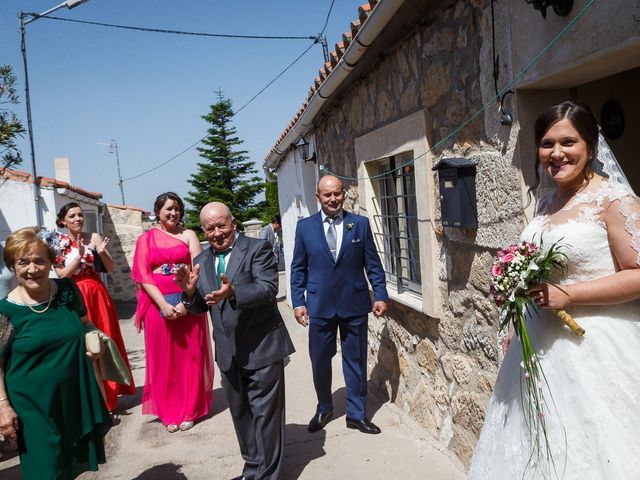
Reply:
x=398 y=218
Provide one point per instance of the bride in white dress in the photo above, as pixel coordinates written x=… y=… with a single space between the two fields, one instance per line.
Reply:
x=592 y=387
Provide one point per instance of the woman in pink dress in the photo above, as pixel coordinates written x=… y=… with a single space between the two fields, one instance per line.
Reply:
x=179 y=364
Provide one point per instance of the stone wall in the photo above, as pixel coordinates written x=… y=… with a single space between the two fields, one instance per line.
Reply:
x=441 y=370
x=123 y=226
x=252 y=227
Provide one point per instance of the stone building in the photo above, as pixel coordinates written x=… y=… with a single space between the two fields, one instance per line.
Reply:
x=123 y=225
x=417 y=81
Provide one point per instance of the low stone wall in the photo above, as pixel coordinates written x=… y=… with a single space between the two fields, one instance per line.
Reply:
x=252 y=227
x=123 y=226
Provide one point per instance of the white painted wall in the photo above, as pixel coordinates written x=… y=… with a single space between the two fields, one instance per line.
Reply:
x=297 y=181
x=17 y=207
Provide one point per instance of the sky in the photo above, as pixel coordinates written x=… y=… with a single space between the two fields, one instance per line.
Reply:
x=148 y=91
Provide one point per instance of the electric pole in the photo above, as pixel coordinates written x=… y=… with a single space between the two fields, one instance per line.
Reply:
x=113 y=148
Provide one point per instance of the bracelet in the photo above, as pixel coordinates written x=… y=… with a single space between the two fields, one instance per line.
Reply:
x=4 y=399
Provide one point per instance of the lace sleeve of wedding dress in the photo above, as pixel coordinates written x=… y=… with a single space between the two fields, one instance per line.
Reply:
x=630 y=210
x=607 y=165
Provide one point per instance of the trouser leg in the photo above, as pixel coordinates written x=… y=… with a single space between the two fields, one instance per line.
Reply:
x=353 y=337
x=266 y=394
x=235 y=389
x=322 y=348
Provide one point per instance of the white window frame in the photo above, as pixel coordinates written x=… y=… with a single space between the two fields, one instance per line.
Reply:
x=406 y=136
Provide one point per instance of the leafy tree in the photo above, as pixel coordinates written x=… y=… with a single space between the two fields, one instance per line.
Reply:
x=226 y=174
x=272 y=207
x=10 y=126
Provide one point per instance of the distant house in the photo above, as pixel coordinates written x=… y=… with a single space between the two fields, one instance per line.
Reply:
x=415 y=82
x=18 y=206
x=123 y=224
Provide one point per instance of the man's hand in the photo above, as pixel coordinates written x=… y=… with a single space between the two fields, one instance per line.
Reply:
x=302 y=317
x=187 y=279
x=380 y=308
x=225 y=291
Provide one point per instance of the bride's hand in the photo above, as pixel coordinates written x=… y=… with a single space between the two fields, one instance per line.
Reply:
x=551 y=295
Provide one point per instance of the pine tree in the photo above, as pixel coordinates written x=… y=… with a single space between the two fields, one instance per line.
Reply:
x=226 y=174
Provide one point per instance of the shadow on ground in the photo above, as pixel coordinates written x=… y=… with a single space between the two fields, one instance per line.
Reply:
x=219 y=402
x=302 y=447
x=339 y=404
x=127 y=402
x=166 y=471
x=125 y=310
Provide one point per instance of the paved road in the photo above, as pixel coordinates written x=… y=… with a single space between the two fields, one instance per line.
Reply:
x=139 y=447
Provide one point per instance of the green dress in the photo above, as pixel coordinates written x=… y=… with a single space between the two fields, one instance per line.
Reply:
x=51 y=385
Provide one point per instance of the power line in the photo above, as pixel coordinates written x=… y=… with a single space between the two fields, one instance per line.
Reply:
x=175 y=32
x=326 y=22
x=276 y=78
x=234 y=114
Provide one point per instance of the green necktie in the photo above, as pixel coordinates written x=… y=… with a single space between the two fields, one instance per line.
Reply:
x=221 y=266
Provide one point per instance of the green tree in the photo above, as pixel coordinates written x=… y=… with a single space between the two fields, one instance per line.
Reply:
x=10 y=126
x=226 y=174
x=271 y=207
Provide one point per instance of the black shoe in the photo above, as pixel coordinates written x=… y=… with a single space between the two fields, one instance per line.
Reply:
x=364 y=425
x=319 y=420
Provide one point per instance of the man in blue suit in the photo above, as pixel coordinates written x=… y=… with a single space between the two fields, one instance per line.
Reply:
x=333 y=250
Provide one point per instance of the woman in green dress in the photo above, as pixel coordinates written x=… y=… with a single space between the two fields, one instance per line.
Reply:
x=49 y=397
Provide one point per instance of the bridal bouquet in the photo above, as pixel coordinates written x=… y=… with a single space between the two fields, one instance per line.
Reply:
x=515 y=270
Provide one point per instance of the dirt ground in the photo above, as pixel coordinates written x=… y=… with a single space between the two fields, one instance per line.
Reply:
x=140 y=448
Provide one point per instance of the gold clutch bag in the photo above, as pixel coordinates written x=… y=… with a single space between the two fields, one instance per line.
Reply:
x=111 y=365
x=92 y=342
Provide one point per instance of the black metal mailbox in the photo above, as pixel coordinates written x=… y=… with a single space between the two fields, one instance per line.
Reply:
x=457 y=192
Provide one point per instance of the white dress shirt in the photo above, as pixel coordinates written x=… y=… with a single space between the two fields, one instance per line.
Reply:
x=227 y=257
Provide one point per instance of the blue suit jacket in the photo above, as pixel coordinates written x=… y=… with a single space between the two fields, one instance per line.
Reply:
x=336 y=288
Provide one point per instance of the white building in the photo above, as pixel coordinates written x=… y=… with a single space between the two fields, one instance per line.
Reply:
x=18 y=206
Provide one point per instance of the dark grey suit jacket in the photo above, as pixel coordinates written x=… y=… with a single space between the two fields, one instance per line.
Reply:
x=249 y=326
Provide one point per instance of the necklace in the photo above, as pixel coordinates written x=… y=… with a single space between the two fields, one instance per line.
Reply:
x=30 y=307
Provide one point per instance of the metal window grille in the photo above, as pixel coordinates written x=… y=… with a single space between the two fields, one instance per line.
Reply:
x=396 y=220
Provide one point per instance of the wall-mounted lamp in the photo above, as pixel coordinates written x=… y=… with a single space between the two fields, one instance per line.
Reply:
x=303 y=147
x=560 y=7
x=506 y=118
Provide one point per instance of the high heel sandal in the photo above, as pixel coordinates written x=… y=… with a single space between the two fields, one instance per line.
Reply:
x=186 y=426
x=172 y=428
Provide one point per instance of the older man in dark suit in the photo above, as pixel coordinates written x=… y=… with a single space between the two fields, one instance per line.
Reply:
x=237 y=280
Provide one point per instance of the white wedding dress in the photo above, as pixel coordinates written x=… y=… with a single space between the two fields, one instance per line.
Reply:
x=593 y=394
